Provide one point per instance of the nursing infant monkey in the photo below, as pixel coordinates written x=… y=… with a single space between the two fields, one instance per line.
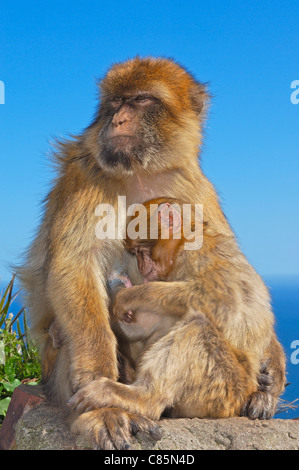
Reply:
x=220 y=355
x=212 y=368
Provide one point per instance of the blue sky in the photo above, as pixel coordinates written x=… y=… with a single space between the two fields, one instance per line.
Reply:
x=52 y=52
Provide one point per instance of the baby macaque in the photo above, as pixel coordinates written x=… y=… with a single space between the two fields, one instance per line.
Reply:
x=155 y=259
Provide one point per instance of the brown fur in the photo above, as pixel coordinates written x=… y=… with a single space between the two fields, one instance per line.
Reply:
x=67 y=265
x=224 y=335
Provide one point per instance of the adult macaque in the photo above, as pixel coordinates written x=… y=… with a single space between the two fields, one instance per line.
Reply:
x=142 y=144
x=224 y=331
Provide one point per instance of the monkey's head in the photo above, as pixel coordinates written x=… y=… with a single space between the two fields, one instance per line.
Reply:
x=156 y=255
x=149 y=117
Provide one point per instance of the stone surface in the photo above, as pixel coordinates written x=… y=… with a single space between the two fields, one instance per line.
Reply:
x=43 y=427
x=23 y=400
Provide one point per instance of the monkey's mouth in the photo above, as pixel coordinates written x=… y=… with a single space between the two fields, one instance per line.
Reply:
x=122 y=140
x=121 y=150
x=127 y=145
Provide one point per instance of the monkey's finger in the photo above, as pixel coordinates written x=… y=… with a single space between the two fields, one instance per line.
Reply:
x=107 y=444
x=120 y=436
x=92 y=425
x=265 y=382
x=82 y=406
x=74 y=402
x=105 y=441
x=140 y=423
x=119 y=425
x=259 y=406
x=118 y=428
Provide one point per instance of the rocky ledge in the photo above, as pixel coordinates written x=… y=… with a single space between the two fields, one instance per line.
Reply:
x=33 y=424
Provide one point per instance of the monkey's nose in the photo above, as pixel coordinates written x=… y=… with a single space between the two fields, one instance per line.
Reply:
x=119 y=119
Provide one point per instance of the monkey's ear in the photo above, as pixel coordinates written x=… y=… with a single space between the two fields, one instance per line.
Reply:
x=170 y=217
x=199 y=97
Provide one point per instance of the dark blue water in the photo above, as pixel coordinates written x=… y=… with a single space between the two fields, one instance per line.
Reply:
x=285 y=301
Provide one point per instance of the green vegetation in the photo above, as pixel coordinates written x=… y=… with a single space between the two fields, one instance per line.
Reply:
x=19 y=361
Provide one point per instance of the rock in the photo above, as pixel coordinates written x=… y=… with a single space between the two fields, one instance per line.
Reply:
x=43 y=427
x=23 y=400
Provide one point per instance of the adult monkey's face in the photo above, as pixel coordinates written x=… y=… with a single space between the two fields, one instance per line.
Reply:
x=149 y=116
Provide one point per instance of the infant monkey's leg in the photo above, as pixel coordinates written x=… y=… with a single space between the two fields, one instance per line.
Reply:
x=192 y=369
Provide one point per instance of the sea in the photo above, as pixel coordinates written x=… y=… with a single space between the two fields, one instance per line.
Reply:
x=285 y=302
x=284 y=292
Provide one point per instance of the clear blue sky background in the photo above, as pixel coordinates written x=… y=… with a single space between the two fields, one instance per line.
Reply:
x=52 y=52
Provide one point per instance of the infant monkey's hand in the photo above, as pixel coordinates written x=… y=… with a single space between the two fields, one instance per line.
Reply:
x=119 y=282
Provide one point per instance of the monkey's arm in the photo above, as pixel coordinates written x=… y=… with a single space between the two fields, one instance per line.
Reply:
x=76 y=281
x=80 y=304
x=171 y=298
x=271 y=383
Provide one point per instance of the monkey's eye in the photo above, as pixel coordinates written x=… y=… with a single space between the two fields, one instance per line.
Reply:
x=142 y=98
x=117 y=99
